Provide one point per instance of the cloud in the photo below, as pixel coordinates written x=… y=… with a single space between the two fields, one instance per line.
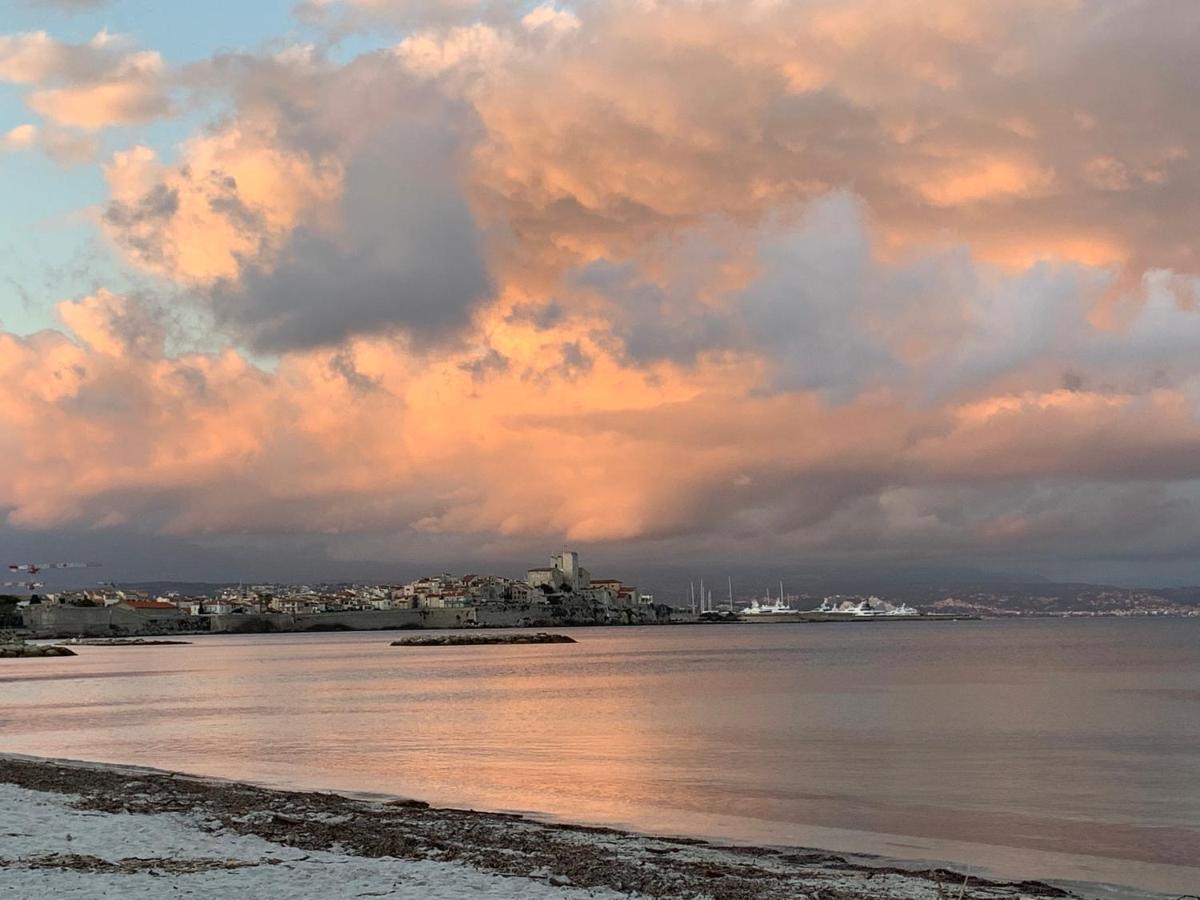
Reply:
x=536 y=438
x=346 y=16
x=68 y=146
x=301 y=231
x=549 y=17
x=1026 y=131
x=90 y=85
x=235 y=197
x=65 y=146
x=407 y=253
x=821 y=278
x=22 y=137
x=132 y=94
x=576 y=139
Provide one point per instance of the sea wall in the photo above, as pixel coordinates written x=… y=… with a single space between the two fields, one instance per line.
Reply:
x=515 y=613
x=71 y=621
x=50 y=620
x=357 y=620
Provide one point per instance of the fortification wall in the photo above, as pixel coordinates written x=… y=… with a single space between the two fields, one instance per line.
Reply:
x=51 y=620
x=357 y=620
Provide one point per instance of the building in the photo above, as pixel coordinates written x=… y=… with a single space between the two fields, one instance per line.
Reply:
x=545 y=577
x=563 y=574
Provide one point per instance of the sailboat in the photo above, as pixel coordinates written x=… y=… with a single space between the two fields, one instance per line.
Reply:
x=769 y=609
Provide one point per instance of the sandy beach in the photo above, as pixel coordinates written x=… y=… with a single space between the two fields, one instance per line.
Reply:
x=76 y=829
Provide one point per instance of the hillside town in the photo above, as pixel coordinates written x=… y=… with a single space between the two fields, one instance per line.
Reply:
x=562 y=593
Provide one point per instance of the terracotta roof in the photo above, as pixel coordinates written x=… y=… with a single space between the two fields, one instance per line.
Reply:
x=149 y=604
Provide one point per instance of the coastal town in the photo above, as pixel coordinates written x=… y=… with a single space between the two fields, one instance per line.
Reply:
x=561 y=593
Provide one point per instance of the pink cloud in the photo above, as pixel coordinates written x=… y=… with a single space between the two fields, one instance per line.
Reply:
x=818 y=275
x=91 y=85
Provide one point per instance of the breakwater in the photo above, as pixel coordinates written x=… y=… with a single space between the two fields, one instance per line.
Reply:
x=472 y=640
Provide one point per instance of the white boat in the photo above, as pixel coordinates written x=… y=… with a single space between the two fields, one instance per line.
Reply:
x=864 y=609
x=767 y=609
x=902 y=610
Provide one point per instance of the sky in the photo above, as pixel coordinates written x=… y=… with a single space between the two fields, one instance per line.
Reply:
x=332 y=286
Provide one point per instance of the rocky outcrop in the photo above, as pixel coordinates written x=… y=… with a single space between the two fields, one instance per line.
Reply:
x=470 y=640
x=10 y=651
x=130 y=642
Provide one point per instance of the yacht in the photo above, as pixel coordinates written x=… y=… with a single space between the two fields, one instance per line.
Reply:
x=766 y=609
x=864 y=609
x=902 y=610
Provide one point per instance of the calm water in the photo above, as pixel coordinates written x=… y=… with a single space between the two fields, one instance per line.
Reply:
x=1049 y=748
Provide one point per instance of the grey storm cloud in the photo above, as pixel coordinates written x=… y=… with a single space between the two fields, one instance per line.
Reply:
x=409 y=254
x=650 y=322
x=825 y=315
x=405 y=252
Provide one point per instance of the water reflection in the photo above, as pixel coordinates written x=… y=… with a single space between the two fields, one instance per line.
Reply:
x=1009 y=744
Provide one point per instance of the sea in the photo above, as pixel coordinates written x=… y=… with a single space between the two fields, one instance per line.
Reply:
x=1059 y=749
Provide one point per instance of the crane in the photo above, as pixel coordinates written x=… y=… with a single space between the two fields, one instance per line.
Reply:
x=34 y=568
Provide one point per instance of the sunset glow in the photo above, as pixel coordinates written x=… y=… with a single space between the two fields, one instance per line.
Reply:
x=386 y=281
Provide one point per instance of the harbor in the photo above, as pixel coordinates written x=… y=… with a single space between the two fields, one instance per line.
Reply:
x=781 y=611
x=817 y=615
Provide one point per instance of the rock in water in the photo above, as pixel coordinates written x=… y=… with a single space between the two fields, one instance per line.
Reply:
x=25 y=651
x=471 y=640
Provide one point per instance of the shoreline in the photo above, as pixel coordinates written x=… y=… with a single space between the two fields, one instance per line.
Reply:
x=509 y=854
x=258 y=628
